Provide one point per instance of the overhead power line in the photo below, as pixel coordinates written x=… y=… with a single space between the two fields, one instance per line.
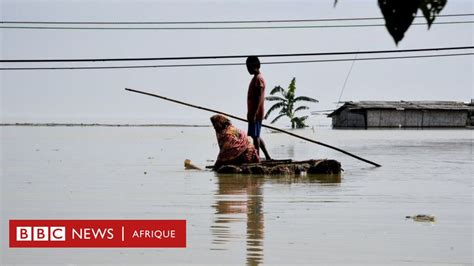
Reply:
x=210 y=21
x=346 y=79
x=224 y=27
x=236 y=64
x=63 y=60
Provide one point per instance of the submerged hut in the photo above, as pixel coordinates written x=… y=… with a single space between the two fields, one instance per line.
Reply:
x=415 y=114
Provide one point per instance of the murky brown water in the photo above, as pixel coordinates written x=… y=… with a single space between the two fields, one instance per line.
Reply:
x=356 y=218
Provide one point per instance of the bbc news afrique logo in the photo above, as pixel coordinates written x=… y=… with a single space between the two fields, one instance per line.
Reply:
x=97 y=233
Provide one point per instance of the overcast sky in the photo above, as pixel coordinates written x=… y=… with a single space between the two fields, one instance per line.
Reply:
x=98 y=95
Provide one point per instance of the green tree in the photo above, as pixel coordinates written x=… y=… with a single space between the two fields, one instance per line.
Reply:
x=286 y=104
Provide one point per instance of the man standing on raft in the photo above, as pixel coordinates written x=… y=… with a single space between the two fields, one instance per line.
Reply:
x=255 y=104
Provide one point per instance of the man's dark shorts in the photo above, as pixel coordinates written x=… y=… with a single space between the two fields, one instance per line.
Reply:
x=254 y=129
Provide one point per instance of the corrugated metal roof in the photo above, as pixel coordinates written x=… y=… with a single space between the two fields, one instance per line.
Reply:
x=403 y=105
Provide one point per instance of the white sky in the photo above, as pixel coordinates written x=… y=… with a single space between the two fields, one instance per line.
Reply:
x=98 y=95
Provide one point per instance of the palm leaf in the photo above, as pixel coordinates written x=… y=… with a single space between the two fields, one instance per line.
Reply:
x=278 y=117
x=274 y=98
x=290 y=95
x=299 y=121
x=301 y=108
x=277 y=89
x=273 y=108
x=306 y=99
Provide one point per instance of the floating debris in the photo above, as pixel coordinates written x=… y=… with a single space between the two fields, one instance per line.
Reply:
x=422 y=218
x=189 y=166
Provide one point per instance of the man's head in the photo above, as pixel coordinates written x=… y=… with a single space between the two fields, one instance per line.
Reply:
x=253 y=65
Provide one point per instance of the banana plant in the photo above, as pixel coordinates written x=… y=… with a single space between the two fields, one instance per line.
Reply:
x=286 y=102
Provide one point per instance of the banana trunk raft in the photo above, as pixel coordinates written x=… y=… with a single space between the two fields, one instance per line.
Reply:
x=283 y=167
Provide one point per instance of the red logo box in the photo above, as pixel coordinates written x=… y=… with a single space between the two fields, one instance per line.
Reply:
x=97 y=233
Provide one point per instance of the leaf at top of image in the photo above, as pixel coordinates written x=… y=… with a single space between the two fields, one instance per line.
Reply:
x=399 y=15
x=431 y=8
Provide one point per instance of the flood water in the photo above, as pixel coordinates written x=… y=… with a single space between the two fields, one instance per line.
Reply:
x=138 y=173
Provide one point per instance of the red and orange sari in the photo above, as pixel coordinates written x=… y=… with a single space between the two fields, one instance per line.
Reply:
x=235 y=147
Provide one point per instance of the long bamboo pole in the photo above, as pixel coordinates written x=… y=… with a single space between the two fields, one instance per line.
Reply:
x=266 y=126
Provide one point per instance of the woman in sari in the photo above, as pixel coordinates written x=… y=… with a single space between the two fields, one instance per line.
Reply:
x=235 y=147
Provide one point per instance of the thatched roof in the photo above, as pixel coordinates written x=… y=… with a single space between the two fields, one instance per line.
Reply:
x=404 y=105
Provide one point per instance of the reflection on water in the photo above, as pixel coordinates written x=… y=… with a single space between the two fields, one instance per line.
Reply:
x=332 y=180
x=239 y=200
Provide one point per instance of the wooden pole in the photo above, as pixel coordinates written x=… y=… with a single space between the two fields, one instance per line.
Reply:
x=244 y=120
